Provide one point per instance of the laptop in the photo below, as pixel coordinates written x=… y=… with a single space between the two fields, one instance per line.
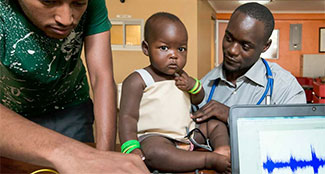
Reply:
x=277 y=139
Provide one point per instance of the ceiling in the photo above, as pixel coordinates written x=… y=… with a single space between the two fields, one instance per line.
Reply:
x=276 y=6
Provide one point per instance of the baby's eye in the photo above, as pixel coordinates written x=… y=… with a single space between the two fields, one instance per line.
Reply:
x=164 y=48
x=182 y=49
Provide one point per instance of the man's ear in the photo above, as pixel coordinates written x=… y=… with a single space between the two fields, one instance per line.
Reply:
x=145 y=48
x=267 y=45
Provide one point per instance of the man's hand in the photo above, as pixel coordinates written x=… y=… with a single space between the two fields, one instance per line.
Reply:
x=212 y=109
x=95 y=161
x=183 y=81
x=29 y=142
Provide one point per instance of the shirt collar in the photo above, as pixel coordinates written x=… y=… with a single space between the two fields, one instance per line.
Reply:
x=217 y=73
x=256 y=73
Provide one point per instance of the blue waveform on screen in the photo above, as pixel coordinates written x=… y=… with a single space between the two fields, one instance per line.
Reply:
x=294 y=164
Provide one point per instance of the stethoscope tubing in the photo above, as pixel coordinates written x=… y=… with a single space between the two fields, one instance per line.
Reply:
x=269 y=85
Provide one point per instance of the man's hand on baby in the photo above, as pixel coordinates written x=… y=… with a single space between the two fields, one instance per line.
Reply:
x=211 y=109
x=183 y=81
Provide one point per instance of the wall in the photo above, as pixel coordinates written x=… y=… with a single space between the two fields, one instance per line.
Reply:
x=126 y=62
x=222 y=25
x=206 y=38
x=291 y=60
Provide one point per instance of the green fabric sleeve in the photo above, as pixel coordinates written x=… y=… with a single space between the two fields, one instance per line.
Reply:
x=2 y=44
x=97 y=18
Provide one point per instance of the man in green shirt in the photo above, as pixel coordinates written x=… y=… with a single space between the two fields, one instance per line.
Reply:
x=42 y=78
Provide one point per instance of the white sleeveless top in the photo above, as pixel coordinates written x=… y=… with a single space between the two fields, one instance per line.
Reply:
x=164 y=109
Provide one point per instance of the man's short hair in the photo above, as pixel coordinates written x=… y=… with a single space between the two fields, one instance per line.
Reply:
x=261 y=13
x=152 y=19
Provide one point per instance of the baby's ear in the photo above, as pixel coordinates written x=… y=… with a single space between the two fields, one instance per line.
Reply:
x=145 y=48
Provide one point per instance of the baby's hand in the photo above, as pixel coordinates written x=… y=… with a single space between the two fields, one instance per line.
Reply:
x=183 y=81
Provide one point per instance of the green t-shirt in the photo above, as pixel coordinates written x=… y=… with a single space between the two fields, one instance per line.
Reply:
x=39 y=74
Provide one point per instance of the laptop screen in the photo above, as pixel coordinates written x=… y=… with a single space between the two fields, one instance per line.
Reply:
x=278 y=139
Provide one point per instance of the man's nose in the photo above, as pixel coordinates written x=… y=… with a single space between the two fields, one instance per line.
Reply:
x=234 y=49
x=64 y=15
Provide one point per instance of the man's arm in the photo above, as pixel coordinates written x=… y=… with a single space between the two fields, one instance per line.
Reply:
x=289 y=92
x=99 y=62
x=26 y=141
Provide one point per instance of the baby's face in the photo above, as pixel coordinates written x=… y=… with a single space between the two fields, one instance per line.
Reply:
x=168 y=47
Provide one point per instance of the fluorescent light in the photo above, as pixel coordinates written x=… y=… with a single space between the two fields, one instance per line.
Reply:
x=259 y=1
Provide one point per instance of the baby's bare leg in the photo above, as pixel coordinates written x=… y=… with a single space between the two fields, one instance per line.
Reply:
x=217 y=132
x=162 y=155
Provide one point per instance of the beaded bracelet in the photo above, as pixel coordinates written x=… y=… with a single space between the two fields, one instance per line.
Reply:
x=129 y=146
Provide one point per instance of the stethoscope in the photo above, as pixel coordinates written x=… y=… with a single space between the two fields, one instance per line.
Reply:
x=269 y=86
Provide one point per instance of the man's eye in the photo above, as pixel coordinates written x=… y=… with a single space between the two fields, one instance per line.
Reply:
x=246 y=47
x=228 y=38
x=79 y=3
x=164 y=48
x=182 y=49
x=48 y=2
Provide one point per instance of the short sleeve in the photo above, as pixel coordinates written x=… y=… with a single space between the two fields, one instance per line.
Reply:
x=97 y=18
x=294 y=93
x=2 y=42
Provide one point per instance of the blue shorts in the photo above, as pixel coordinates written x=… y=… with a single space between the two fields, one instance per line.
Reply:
x=75 y=122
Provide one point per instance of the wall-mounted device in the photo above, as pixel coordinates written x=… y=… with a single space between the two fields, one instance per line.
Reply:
x=295 y=36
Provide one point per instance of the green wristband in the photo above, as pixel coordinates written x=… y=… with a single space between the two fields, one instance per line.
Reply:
x=197 y=82
x=198 y=89
x=131 y=148
x=128 y=144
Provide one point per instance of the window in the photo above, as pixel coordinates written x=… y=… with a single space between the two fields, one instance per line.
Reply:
x=126 y=34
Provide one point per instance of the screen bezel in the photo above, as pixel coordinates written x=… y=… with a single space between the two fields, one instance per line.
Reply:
x=243 y=111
